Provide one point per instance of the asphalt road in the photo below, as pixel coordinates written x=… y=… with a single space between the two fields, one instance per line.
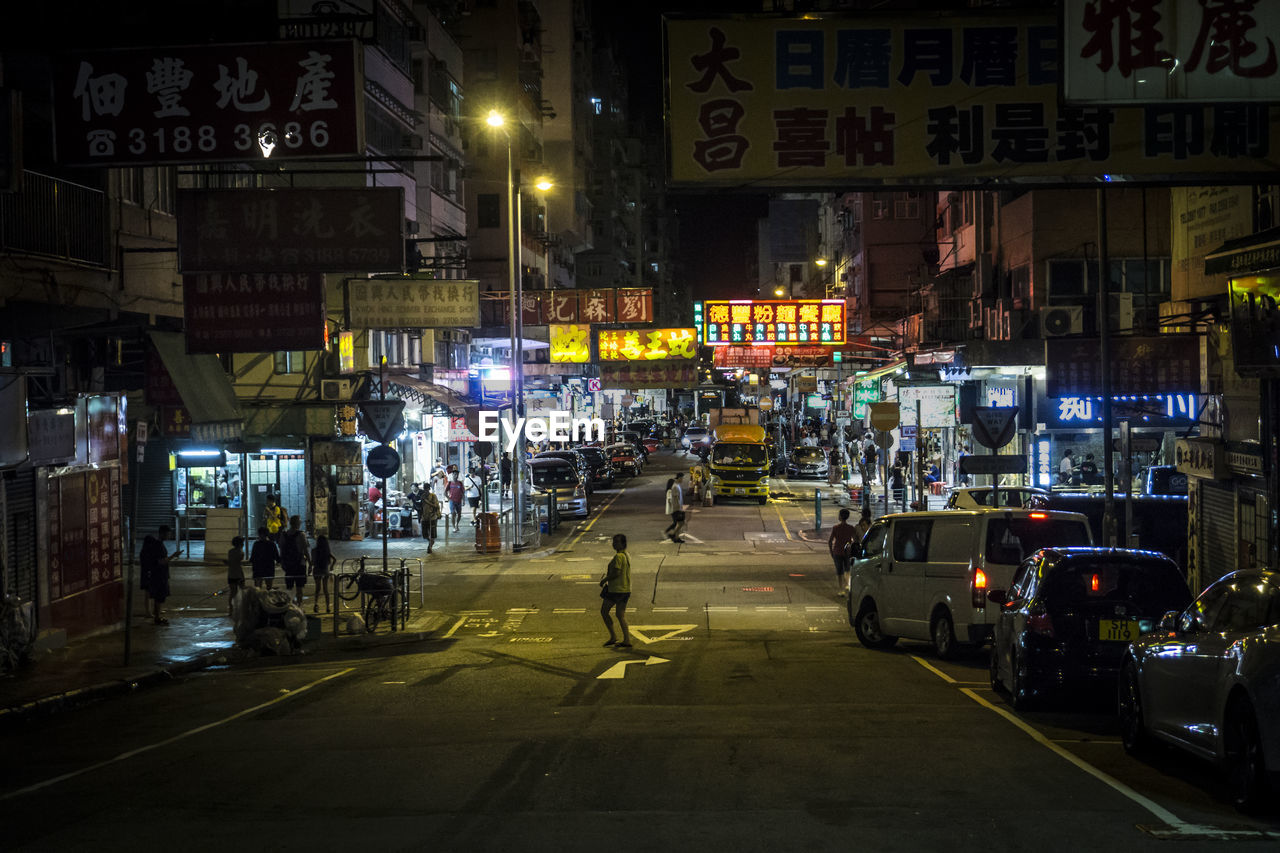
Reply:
x=746 y=718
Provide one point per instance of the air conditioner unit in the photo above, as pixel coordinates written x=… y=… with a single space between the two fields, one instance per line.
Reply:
x=1120 y=311
x=1061 y=320
x=335 y=389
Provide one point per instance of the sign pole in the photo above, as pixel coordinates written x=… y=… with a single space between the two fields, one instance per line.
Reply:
x=382 y=390
x=1104 y=357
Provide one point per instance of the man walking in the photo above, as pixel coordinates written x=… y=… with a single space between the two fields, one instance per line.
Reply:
x=504 y=474
x=455 y=492
x=295 y=551
x=263 y=558
x=675 y=508
x=838 y=543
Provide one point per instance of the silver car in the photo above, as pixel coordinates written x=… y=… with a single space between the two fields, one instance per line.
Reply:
x=1208 y=682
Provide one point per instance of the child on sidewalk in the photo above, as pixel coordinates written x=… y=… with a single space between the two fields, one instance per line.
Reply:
x=235 y=571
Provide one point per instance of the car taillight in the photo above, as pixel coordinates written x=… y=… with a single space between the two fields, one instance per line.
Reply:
x=1093 y=583
x=979 y=589
x=1040 y=623
x=1039 y=516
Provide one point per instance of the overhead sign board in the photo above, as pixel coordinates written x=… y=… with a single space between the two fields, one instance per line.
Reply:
x=951 y=99
x=334 y=229
x=994 y=426
x=1159 y=50
x=1159 y=364
x=783 y=322
x=570 y=343
x=973 y=464
x=413 y=302
x=201 y=103
x=253 y=312
x=647 y=345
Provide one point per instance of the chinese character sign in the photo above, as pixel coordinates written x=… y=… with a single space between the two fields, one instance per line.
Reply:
x=776 y=102
x=196 y=104
x=648 y=345
x=253 y=312
x=781 y=322
x=414 y=302
x=1125 y=51
x=570 y=344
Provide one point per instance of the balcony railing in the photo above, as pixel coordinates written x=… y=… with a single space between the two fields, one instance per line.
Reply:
x=55 y=218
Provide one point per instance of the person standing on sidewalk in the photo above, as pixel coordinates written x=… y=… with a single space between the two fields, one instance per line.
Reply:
x=274 y=518
x=295 y=552
x=431 y=513
x=473 y=492
x=235 y=571
x=615 y=589
x=839 y=543
x=322 y=561
x=263 y=558
x=504 y=474
x=153 y=562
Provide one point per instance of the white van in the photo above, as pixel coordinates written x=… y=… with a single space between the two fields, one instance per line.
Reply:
x=925 y=575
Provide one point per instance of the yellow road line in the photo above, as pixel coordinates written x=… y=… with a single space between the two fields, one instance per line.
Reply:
x=592 y=522
x=785 y=529
x=188 y=733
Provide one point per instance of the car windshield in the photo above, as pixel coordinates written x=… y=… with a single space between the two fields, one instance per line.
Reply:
x=593 y=455
x=809 y=454
x=1155 y=585
x=733 y=453
x=1011 y=540
x=696 y=431
x=554 y=475
x=621 y=450
x=1008 y=497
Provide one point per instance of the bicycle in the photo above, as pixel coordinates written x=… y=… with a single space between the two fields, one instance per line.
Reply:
x=384 y=595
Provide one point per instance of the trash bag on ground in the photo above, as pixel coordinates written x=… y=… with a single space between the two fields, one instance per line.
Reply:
x=272 y=641
x=255 y=610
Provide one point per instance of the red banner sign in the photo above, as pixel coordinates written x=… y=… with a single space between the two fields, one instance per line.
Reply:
x=84 y=531
x=623 y=305
x=195 y=104
x=253 y=312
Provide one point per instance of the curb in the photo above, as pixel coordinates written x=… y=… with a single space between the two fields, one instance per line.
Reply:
x=81 y=696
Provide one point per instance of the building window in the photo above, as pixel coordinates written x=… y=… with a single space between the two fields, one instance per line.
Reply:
x=906 y=205
x=290 y=362
x=597 y=105
x=488 y=211
x=880 y=209
x=166 y=190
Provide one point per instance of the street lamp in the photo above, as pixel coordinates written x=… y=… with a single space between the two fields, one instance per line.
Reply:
x=495 y=120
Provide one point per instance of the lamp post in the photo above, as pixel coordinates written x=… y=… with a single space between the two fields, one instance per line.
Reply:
x=495 y=120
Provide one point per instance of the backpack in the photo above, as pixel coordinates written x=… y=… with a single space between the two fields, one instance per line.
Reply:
x=290 y=551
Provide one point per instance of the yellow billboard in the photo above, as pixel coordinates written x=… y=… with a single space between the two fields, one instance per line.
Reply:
x=570 y=343
x=648 y=345
x=935 y=98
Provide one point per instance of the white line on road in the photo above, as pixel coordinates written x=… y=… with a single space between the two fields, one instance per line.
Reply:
x=721 y=609
x=569 y=610
x=188 y=733
x=1174 y=827
x=670 y=610
x=813 y=608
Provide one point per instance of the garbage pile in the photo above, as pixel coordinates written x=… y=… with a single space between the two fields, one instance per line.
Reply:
x=268 y=621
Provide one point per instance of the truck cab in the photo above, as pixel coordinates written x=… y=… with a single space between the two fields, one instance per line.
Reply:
x=739 y=462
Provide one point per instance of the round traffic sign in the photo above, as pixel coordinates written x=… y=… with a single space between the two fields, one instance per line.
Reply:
x=765 y=404
x=383 y=461
x=884 y=415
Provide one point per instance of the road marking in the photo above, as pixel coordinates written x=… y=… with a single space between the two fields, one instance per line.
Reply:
x=599 y=514
x=619 y=669
x=721 y=609
x=814 y=608
x=188 y=733
x=1173 y=826
x=778 y=508
x=569 y=610
x=462 y=620
x=670 y=610
x=772 y=609
x=641 y=631
x=522 y=610
x=575 y=577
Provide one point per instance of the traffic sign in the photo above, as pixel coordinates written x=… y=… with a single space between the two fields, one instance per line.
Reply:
x=593 y=384
x=885 y=415
x=994 y=426
x=993 y=464
x=383 y=461
x=884 y=440
x=765 y=404
x=382 y=420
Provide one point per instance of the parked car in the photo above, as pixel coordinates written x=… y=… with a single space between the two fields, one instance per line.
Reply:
x=1070 y=613
x=1208 y=682
x=644 y=442
x=976 y=497
x=925 y=575
x=560 y=478
x=625 y=459
x=695 y=436
x=1164 y=480
x=574 y=457
x=602 y=471
x=807 y=462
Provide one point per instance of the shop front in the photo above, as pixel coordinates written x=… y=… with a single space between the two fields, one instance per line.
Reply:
x=1230 y=512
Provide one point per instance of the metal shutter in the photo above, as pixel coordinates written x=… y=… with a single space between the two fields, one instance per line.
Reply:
x=20 y=509
x=1217 y=531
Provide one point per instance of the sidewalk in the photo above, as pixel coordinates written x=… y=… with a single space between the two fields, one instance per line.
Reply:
x=199 y=634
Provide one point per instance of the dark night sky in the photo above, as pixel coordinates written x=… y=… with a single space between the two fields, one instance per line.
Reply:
x=716 y=229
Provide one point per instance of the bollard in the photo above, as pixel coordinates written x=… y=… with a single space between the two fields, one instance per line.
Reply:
x=817 y=510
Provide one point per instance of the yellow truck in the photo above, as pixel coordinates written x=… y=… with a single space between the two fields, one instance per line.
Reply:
x=739 y=462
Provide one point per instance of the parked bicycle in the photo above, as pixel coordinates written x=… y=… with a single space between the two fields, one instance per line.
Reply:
x=384 y=595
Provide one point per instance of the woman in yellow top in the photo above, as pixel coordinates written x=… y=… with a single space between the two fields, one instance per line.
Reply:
x=274 y=518
x=615 y=589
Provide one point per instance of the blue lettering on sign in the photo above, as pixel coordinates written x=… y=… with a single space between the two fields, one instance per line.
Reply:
x=1143 y=409
x=1003 y=398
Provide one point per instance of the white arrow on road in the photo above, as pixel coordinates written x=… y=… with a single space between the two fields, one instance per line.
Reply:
x=619 y=669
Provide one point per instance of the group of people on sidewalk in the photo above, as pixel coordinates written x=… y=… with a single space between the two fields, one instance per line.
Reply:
x=293 y=553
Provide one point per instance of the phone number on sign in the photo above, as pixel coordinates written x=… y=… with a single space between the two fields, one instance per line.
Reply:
x=204 y=139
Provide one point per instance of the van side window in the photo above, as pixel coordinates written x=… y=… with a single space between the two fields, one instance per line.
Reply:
x=950 y=541
x=873 y=544
x=911 y=540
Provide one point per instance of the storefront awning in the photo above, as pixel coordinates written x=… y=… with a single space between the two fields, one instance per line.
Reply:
x=1245 y=255
x=421 y=390
x=203 y=385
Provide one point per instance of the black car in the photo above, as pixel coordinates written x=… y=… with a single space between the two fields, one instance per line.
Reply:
x=577 y=458
x=1070 y=614
x=602 y=470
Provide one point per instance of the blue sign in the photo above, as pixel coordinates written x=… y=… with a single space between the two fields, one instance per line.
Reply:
x=1145 y=410
x=383 y=461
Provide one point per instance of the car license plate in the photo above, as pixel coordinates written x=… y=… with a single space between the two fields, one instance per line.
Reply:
x=1118 y=630
x=739 y=491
